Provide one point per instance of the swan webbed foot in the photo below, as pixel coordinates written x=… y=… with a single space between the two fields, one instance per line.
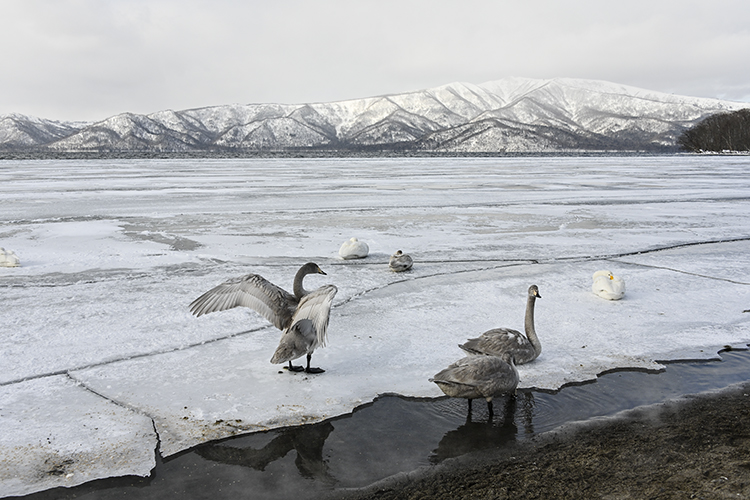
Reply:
x=312 y=370
x=293 y=368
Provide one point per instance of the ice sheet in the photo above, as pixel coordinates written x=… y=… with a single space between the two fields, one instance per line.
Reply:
x=56 y=433
x=112 y=252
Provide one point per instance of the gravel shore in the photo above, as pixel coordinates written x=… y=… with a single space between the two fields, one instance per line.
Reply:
x=693 y=447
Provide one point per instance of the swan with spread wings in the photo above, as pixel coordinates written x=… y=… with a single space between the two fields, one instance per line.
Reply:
x=302 y=316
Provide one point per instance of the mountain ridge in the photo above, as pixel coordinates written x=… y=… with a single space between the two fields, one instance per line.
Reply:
x=503 y=116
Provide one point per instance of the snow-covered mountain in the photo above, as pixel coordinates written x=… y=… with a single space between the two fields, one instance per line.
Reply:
x=28 y=132
x=508 y=115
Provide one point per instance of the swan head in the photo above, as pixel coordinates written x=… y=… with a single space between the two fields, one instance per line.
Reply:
x=312 y=268
x=534 y=292
x=603 y=272
x=604 y=276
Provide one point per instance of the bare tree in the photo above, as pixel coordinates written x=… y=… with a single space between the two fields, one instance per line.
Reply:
x=720 y=132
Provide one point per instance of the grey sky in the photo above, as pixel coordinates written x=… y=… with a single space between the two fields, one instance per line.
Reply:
x=90 y=59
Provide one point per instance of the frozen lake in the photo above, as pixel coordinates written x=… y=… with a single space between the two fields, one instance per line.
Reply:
x=101 y=360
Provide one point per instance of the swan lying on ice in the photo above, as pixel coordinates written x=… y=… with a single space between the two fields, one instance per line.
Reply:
x=303 y=317
x=400 y=262
x=8 y=258
x=354 y=249
x=608 y=286
x=505 y=341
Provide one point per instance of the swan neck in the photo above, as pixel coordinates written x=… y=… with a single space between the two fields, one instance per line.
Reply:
x=529 y=325
x=299 y=290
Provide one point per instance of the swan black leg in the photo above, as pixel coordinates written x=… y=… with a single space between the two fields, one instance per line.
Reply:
x=312 y=370
x=293 y=368
x=490 y=409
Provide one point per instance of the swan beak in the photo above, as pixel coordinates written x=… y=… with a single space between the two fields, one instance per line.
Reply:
x=320 y=271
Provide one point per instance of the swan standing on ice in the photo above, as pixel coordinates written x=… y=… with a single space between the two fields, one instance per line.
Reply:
x=476 y=377
x=303 y=317
x=500 y=341
x=608 y=286
x=8 y=258
x=400 y=262
x=354 y=249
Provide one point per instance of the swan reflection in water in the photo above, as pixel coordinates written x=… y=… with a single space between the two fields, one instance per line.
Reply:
x=475 y=436
x=306 y=440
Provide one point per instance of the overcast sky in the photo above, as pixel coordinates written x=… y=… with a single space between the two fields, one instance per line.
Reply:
x=91 y=59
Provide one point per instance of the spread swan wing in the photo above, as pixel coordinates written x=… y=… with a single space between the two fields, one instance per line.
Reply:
x=253 y=291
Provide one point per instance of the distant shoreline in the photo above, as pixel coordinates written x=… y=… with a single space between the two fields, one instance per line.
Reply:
x=156 y=155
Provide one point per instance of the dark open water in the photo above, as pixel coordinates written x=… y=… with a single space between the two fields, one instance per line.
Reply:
x=396 y=434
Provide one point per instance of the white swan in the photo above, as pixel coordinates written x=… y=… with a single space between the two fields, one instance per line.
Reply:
x=353 y=249
x=608 y=286
x=475 y=377
x=400 y=262
x=8 y=258
x=502 y=341
x=303 y=317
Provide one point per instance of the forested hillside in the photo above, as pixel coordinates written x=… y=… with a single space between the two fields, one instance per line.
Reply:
x=720 y=132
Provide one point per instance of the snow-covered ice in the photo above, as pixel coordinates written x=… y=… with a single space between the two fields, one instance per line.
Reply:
x=100 y=356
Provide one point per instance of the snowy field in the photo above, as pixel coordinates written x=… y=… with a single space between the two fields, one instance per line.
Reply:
x=101 y=360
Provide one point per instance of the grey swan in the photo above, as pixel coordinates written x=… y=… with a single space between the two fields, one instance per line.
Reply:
x=474 y=377
x=302 y=317
x=499 y=341
x=400 y=262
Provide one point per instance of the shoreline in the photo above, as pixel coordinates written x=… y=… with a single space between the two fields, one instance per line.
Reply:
x=695 y=446
x=343 y=154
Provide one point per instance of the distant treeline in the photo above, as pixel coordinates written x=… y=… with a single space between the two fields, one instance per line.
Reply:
x=721 y=132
